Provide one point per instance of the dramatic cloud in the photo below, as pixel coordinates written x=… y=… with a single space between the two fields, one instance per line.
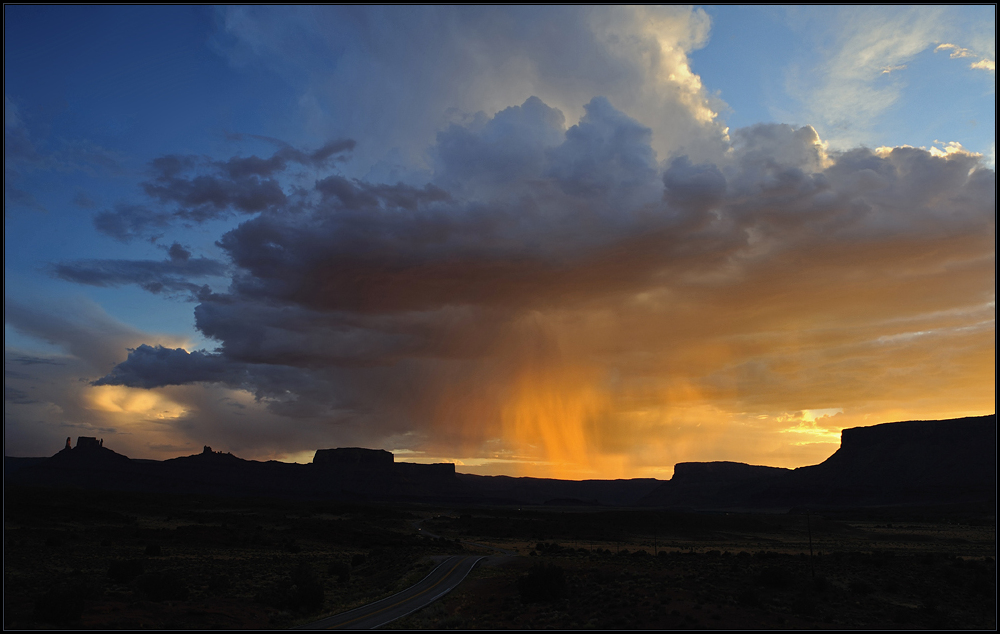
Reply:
x=80 y=327
x=50 y=397
x=171 y=275
x=197 y=189
x=553 y=293
x=520 y=238
x=474 y=60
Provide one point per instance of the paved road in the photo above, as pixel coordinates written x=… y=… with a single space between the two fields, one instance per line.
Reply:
x=438 y=583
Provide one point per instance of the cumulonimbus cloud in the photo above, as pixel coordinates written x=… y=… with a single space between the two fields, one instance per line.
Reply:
x=540 y=258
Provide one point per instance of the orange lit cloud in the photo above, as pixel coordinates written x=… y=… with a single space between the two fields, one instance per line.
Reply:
x=559 y=302
x=597 y=314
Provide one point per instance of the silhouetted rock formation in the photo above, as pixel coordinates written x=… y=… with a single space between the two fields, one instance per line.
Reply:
x=89 y=451
x=702 y=472
x=88 y=465
x=342 y=474
x=88 y=443
x=437 y=470
x=353 y=456
x=893 y=463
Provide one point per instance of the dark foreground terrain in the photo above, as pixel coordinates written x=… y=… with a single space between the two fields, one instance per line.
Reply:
x=100 y=559
x=915 y=568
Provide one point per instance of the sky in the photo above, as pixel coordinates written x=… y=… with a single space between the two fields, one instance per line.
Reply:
x=584 y=242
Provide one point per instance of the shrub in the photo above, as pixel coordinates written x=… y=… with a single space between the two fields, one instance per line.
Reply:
x=881 y=558
x=749 y=597
x=123 y=571
x=218 y=583
x=775 y=577
x=357 y=560
x=820 y=584
x=341 y=570
x=804 y=604
x=54 y=541
x=861 y=587
x=542 y=583
x=61 y=605
x=307 y=590
x=163 y=586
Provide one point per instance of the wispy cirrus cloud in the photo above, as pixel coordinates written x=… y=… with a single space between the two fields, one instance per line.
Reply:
x=24 y=155
x=857 y=79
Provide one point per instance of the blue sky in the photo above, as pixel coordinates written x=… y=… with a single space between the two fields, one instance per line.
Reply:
x=134 y=214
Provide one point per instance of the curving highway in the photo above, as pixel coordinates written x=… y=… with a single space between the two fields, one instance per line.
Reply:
x=435 y=585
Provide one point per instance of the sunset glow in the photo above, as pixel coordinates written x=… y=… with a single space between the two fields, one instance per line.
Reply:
x=577 y=243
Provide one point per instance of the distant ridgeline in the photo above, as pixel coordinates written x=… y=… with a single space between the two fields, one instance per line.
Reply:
x=913 y=462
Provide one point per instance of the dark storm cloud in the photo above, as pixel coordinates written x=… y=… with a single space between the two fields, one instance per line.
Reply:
x=694 y=187
x=354 y=194
x=277 y=162
x=149 y=366
x=315 y=394
x=197 y=189
x=509 y=147
x=301 y=337
x=178 y=253
x=587 y=221
x=27 y=360
x=399 y=307
x=171 y=275
x=129 y=222
x=203 y=196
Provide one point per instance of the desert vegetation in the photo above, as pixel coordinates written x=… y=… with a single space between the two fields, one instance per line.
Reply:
x=114 y=560
x=108 y=560
x=899 y=568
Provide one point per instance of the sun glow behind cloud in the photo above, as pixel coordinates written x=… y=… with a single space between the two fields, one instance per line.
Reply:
x=551 y=258
x=128 y=404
